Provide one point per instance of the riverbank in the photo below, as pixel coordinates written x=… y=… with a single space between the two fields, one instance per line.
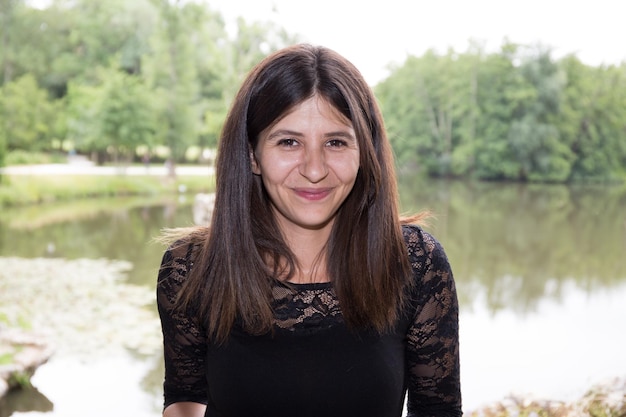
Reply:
x=36 y=184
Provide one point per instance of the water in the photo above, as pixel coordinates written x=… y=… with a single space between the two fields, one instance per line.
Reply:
x=540 y=271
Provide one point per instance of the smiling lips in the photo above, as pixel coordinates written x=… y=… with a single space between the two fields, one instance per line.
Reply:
x=312 y=194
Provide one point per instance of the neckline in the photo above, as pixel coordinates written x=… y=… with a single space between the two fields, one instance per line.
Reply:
x=308 y=285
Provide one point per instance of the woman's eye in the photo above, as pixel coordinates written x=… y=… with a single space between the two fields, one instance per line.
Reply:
x=336 y=143
x=287 y=142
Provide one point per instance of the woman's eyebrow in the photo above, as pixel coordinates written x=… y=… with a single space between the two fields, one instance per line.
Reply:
x=334 y=134
x=285 y=132
x=341 y=134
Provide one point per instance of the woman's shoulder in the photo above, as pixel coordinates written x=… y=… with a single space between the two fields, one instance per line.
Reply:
x=182 y=244
x=416 y=237
x=178 y=259
x=423 y=248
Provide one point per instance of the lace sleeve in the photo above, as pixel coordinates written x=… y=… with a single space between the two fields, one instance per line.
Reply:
x=434 y=387
x=184 y=341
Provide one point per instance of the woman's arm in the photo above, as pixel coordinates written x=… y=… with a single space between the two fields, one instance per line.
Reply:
x=184 y=340
x=184 y=409
x=433 y=339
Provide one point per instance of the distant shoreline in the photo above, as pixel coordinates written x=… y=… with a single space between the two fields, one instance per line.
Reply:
x=86 y=168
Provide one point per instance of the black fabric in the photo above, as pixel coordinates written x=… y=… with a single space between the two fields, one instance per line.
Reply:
x=312 y=365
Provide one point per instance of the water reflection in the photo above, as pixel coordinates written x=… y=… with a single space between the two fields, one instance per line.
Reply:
x=521 y=243
x=120 y=229
x=113 y=229
x=29 y=399
x=524 y=257
x=557 y=352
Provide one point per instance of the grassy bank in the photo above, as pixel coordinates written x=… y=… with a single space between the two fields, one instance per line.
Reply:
x=21 y=190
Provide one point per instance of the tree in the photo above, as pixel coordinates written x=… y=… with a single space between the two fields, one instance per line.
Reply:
x=126 y=115
x=499 y=116
x=27 y=115
x=533 y=137
x=594 y=124
x=83 y=104
x=210 y=50
x=429 y=107
x=8 y=23
x=173 y=75
x=405 y=112
x=3 y=130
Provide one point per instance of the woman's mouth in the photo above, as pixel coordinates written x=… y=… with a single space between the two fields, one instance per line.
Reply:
x=312 y=194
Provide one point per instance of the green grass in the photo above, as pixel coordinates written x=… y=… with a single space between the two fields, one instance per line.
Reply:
x=28 y=190
x=19 y=157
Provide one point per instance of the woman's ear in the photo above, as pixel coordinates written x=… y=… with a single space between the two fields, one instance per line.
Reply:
x=253 y=162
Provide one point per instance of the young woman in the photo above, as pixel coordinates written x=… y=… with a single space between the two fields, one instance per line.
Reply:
x=307 y=295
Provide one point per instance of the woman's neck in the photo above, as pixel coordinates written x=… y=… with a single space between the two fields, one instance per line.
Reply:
x=309 y=248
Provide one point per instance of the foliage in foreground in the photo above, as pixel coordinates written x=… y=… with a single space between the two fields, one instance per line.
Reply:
x=603 y=400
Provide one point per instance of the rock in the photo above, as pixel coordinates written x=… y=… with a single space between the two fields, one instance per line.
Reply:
x=27 y=352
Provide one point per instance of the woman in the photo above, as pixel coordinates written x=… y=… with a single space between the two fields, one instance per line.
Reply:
x=307 y=295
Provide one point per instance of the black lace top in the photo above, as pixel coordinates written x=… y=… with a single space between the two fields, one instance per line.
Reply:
x=313 y=365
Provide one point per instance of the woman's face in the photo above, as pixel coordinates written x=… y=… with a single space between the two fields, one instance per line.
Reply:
x=308 y=162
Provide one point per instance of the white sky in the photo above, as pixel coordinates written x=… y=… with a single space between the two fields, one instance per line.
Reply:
x=373 y=34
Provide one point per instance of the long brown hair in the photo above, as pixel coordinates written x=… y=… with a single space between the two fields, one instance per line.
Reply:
x=366 y=256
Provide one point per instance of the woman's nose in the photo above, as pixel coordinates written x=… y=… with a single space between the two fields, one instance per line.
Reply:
x=313 y=166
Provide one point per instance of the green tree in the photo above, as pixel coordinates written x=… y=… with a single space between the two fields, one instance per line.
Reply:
x=71 y=39
x=173 y=74
x=3 y=130
x=506 y=115
x=126 y=115
x=27 y=115
x=499 y=90
x=400 y=97
x=82 y=110
x=8 y=23
x=430 y=110
x=594 y=124
x=222 y=63
x=538 y=150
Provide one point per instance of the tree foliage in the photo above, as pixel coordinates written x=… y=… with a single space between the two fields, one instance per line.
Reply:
x=107 y=77
x=517 y=114
x=27 y=115
x=127 y=117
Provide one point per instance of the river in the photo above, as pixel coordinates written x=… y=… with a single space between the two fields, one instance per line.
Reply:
x=540 y=271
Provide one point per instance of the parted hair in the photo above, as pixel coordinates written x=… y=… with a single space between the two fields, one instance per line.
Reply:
x=237 y=265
